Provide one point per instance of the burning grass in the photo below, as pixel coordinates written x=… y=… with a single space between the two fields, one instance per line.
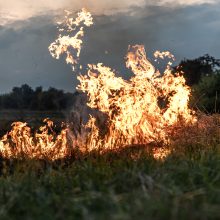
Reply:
x=46 y=144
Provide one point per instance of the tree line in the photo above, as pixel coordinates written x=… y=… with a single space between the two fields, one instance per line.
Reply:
x=203 y=76
x=26 y=98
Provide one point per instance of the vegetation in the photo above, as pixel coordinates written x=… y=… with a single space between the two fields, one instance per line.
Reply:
x=194 y=70
x=203 y=76
x=206 y=94
x=113 y=186
x=25 y=97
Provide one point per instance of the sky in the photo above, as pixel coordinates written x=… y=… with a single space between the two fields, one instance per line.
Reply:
x=188 y=29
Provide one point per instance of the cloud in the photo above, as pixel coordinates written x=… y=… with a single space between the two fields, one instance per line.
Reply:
x=14 y=10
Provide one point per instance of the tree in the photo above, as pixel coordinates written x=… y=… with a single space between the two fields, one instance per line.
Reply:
x=197 y=68
x=36 y=99
x=206 y=94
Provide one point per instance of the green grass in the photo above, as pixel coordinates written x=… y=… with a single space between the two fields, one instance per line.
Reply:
x=113 y=186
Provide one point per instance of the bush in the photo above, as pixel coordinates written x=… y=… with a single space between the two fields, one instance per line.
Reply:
x=206 y=94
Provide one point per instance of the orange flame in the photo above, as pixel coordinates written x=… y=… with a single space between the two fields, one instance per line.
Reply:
x=134 y=108
x=44 y=144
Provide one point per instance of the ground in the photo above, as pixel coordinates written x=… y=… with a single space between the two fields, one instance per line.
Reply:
x=125 y=185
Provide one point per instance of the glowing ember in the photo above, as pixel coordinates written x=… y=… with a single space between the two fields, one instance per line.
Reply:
x=160 y=153
x=140 y=111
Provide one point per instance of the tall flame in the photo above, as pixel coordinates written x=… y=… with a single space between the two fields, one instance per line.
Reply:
x=141 y=110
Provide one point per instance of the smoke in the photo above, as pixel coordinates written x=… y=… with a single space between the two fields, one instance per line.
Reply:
x=14 y=10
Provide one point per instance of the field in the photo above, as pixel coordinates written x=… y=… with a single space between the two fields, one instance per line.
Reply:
x=125 y=185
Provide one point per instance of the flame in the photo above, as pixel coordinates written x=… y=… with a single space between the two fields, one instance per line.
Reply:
x=134 y=108
x=140 y=111
x=66 y=44
x=44 y=144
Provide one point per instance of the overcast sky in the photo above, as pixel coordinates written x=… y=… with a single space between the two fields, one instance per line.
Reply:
x=188 y=29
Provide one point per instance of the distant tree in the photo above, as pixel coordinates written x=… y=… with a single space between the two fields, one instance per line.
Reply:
x=22 y=96
x=9 y=102
x=195 y=69
x=206 y=94
x=25 y=97
x=1 y=102
x=51 y=99
x=36 y=99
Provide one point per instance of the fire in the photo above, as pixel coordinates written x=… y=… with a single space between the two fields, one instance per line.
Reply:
x=44 y=144
x=72 y=42
x=140 y=111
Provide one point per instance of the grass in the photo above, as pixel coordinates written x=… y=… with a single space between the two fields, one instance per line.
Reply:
x=113 y=186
